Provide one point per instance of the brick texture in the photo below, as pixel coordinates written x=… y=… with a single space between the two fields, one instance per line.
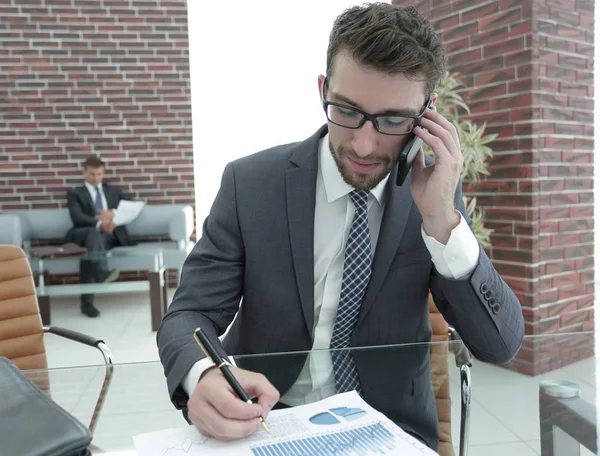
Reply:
x=105 y=77
x=528 y=72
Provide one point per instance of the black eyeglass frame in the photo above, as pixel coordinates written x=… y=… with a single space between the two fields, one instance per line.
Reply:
x=373 y=118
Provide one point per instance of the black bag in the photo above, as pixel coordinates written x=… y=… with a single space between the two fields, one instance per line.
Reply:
x=32 y=424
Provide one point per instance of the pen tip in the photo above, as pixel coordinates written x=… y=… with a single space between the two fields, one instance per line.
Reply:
x=264 y=425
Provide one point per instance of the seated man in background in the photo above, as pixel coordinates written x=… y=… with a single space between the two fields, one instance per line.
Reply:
x=91 y=208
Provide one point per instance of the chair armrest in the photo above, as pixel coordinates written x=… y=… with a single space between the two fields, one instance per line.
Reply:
x=10 y=230
x=100 y=345
x=182 y=225
x=462 y=357
x=83 y=339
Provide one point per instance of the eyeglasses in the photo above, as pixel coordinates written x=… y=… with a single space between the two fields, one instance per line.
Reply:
x=386 y=124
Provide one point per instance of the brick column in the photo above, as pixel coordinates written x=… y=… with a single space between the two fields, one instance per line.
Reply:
x=528 y=72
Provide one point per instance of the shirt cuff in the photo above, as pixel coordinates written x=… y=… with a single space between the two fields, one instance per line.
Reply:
x=193 y=376
x=459 y=257
x=98 y=225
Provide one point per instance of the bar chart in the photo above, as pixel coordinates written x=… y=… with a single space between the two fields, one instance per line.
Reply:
x=373 y=439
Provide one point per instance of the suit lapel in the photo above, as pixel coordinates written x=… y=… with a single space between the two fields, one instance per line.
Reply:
x=396 y=213
x=108 y=194
x=300 y=186
x=87 y=198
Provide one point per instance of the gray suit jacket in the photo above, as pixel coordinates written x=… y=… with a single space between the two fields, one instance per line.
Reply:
x=257 y=244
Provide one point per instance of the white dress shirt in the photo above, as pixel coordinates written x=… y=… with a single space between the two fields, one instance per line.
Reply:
x=334 y=212
x=92 y=191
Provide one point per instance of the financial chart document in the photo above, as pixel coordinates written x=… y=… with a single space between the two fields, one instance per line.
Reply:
x=341 y=425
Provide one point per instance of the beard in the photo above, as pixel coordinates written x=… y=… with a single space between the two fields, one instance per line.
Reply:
x=356 y=179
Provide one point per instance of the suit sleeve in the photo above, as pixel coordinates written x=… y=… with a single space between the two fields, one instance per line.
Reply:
x=209 y=293
x=121 y=195
x=78 y=215
x=481 y=307
x=114 y=195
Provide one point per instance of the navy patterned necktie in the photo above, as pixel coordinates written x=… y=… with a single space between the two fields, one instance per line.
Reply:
x=357 y=272
x=98 y=202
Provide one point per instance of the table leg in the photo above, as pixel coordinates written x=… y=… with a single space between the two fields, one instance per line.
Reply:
x=44 y=305
x=157 y=306
x=165 y=301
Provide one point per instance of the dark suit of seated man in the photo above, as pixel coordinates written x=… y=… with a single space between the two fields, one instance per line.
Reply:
x=91 y=208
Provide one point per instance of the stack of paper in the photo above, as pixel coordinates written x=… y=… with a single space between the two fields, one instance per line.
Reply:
x=341 y=425
x=127 y=211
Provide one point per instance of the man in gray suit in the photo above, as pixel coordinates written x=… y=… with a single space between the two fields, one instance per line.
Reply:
x=91 y=209
x=314 y=245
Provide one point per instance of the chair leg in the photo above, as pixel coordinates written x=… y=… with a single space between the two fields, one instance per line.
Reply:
x=157 y=306
x=44 y=306
x=101 y=397
x=465 y=409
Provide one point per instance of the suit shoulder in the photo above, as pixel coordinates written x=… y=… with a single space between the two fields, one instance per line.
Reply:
x=110 y=187
x=266 y=159
x=74 y=190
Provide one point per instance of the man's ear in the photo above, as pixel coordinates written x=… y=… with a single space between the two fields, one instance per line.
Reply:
x=321 y=81
x=434 y=97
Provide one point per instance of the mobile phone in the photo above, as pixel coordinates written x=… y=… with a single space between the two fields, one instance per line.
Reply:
x=407 y=157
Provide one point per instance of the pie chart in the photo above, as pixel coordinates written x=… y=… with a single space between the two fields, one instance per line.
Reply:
x=337 y=415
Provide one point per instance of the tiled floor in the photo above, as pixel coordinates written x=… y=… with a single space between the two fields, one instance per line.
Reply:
x=504 y=414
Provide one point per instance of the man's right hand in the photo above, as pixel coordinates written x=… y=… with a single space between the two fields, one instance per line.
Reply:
x=217 y=411
x=107 y=226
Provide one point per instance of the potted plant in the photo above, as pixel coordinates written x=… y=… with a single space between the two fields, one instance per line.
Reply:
x=474 y=146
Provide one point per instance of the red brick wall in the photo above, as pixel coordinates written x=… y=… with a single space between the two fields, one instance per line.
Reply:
x=105 y=77
x=528 y=71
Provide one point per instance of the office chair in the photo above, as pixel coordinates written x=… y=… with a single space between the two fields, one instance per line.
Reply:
x=441 y=381
x=21 y=330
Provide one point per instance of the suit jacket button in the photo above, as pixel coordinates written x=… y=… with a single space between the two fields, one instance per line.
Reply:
x=492 y=301
x=487 y=295
x=484 y=287
x=496 y=308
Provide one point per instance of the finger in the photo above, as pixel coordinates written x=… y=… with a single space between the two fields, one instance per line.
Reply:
x=225 y=428
x=439 y=119
x=437 y=144
x=231 y=406
x=267 y=401
x=266 y=393
x=419 y=160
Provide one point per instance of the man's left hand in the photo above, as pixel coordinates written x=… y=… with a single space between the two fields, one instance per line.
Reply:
x=433 y=187
x=106 y=216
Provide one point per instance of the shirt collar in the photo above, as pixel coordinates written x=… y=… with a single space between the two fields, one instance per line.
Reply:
x=90 y=187
x=335 y=186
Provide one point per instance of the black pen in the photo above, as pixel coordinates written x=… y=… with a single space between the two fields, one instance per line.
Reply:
x=212 y=354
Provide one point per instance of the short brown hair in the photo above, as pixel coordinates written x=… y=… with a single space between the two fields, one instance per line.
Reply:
x=93 y=161
x=389 y=38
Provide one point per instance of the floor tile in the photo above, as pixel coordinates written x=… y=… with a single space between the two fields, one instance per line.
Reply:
x=502 y=449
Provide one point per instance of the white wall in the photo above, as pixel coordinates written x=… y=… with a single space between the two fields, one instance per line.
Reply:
x=596 y=169
x=254 y=68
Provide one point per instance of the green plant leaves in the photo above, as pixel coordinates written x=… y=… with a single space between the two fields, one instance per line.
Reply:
x=474 y=147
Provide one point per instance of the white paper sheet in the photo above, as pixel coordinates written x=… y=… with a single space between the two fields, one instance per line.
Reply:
x=127 y=211
x=341 y=425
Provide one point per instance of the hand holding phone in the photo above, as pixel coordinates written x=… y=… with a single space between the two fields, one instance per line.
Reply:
x=433 y=187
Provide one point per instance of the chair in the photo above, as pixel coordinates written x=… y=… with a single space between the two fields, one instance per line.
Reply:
x=441 y=381
x=21 y=330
